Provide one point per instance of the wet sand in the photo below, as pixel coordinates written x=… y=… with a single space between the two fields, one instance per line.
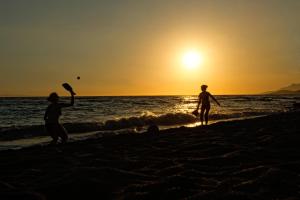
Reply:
x=246 y=159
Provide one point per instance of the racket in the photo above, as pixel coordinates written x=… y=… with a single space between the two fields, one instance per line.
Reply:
x=195 y=112
x=68 y=88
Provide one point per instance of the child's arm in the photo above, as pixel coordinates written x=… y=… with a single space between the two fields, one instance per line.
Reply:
x=214 y=99
x=199 y=102
x=72 y=99
x=68 y=104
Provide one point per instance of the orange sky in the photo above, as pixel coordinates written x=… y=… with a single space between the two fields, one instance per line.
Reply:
x=136 y=48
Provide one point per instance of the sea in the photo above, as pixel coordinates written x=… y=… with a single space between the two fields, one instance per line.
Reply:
x=22 y=124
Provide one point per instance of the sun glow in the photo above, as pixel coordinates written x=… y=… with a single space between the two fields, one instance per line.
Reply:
x=192 y=59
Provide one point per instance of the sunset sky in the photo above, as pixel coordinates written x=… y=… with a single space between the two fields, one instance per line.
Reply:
x=137 y=47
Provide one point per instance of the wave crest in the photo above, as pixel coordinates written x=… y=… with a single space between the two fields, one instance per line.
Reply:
x=146 y=119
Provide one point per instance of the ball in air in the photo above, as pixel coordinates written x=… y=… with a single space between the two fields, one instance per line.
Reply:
x=78 y=77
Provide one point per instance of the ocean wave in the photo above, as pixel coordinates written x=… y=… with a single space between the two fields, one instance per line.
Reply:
x=22 y=132
x=147 y=118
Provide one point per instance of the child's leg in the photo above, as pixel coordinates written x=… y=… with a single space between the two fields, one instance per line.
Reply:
x=63 y=134
x=52 y=132
x=54 y=137
x=206 y=114
x=201 y=114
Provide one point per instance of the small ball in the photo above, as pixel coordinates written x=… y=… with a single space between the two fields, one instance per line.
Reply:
x=78 y=77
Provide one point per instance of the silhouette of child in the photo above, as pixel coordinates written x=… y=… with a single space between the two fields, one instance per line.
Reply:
x=52 y=114
x=205 y=107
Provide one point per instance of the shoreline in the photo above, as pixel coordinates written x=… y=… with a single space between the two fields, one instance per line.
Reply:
x=256 y=158
x=44 y=140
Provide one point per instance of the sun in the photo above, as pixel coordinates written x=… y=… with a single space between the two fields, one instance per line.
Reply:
x=192 y=59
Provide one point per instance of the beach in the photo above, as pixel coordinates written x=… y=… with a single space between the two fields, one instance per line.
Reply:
x=255 y=159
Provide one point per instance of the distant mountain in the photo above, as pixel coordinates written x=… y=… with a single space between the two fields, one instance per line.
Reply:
x=278 y=92
x=291 y=89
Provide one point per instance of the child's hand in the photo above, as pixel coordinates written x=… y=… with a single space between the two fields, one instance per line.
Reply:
x=72 y=93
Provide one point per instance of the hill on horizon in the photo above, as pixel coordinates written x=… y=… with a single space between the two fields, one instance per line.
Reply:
x=293 y=88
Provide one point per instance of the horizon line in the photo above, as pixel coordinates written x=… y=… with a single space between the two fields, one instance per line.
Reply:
x=146 y=95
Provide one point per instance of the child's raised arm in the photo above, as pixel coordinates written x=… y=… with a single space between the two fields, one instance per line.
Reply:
x=68 y=104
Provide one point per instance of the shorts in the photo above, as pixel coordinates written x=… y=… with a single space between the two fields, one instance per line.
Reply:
x=52 y=127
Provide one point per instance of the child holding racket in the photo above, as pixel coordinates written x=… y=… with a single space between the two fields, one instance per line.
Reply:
x=52 y=114
x=205 y=104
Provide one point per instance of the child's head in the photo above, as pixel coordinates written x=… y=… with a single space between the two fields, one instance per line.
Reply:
x=53 y=97
x=204 y=87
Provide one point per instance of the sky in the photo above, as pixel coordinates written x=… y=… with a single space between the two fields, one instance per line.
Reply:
x=135 y=47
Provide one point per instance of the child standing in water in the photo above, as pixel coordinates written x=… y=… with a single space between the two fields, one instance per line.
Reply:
x=205 y=107
x=52 y=114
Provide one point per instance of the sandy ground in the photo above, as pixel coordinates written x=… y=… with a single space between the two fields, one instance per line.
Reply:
x=246 y=159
